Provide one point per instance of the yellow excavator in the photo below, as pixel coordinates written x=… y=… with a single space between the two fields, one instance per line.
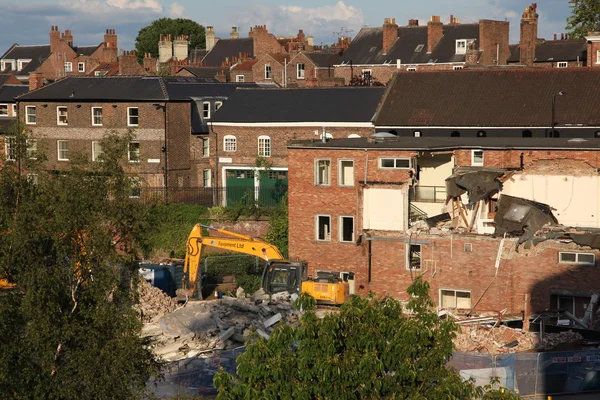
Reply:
x=279 y=275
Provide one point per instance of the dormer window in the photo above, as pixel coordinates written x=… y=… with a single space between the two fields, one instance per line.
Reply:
x=22 y=64
x=461 y=46
x=419 y=48
x=7 y=65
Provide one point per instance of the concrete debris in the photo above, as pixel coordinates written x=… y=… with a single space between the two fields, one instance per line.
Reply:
x=281 y=296
x=153 y=302
x=239 y=293
x=273 y=320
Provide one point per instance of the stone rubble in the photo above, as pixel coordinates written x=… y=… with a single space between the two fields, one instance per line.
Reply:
x=153 y=302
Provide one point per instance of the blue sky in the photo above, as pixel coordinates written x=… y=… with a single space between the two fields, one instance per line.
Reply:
x=28 y=21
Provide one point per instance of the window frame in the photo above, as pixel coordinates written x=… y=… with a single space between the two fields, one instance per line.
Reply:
x=31 y=148
x=79 y=67
x=562 y=64
x=101 y=116
x=576 y=262
x=455 y=296
x=205 y=147
x=300 y=72
x=206 y=110
x=68 y=66
x=380 y=163
x=58 y=150
x=14 y=109
x=28 y=115
x=204 y=178
x=22 y=63
x=366 y=73
x=238 y=80
x=266 y=146
x=218 y=104
x=317 y=175
x=597 y=56
x=341 y=229
x=268 y=71
x=135 y=185
x=1 y=106
x=477 y=164
x=411 y=69
x=463 y=48
x=340 y=171
x=408 y=251
x=130 y=152
x=129 y=116
x=96 y=154
x=58 y=116
x=457 y=67
x=327 y=236
x=10 y=143
x=232 y=143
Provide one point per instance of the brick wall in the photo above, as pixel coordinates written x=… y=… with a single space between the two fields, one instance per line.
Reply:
x=179 y=131
x=512 y=158
x=258 y=70
x=493 y=41
x=292 y=70
x=384 y=73
x=264 y=42
x=247 y=74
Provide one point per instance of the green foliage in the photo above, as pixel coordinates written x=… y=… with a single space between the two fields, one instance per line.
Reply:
x=278 y=231
x=148 y=37
x=585 y=16
x=164 y=70
x=371 y=349
x=305 y=302
x=70 y=242
x=250 y=283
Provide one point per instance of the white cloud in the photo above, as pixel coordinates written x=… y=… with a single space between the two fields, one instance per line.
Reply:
x=176 y=10
x=112 y=6
x=136 y=4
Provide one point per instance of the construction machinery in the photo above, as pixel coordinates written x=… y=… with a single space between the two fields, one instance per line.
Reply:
x=279 y=275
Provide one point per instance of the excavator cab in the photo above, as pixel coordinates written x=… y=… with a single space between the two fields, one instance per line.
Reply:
x=284 y=276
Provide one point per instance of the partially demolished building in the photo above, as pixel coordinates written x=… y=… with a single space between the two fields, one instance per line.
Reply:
x=492 y=223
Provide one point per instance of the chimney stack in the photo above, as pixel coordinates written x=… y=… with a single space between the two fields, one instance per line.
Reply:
x=210 y=38
x=529 y=31
x=36 y=80
x=413 y=22
x=54 y=39
x=110 y=47
x=181 y=48
x=67 y=37
x=165 y=48
x=390 y=34
x=235 y=34
x=435 y=31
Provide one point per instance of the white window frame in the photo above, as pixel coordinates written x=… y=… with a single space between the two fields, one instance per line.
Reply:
x=20 y=63
x=576 y=262
x=206 y=110
x=96 y=151
x=562 y=64
x=5 y=63
x=264 y=146
x=457 y=67
x=597 y=56
x=129 y=116
x=130 y=153
x=229 y=143
x=408 y=252
x=101 y=116
x=205 y=147
x=396 y=159
x=455 y=297
x=327 y=235
x=80 y=67
x=460 y=46
x=29 y=114
x=411 y=69
x=317 y=174
x=218 y=104
x=100 y=73
x=341 y=229
x=58 y=150
x=31 y=149
x=32 y=178
x=205 y=178
x=268 y=71
x=477 y=163
x=300 y=72
x=58 y=116
x=135 y=184
x=240 y=78
x=10 y=142
x=68 y=66
x=14 y=110
x=1 y=107
x=366 y=73
x=342 y=182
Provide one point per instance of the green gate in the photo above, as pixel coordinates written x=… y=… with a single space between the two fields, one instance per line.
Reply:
x=239 y=186
x=273 y=186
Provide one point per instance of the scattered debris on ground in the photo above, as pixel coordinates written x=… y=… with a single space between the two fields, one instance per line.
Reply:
x=153 y=302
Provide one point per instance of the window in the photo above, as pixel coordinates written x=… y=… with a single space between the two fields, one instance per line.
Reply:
x=97 y=152
x=417 y=133
x=461 y=46
x=30 y=115
x=526 y=133
x=240 y=78
x=323 y=172
x=10 y=147
x=346 y=229
x=468 y=247
x=3 y=110
x=61 y=115
x=455 y=298
x=31 y=149
x=455 y=134
x=100 y=73
x=22 y=64
x=133 y=116
x=135 y=187
x=411 y=69
x=206 y=175
x=394 y=163
x=32 y=178
x=413 y=256
x=577 y=258
x=367 y=74
x=267 y=71
x=323 y=227
x=481 y=134
x=63 y=150
x=457 y=67
x=598 y=57
x=133 y=152
x=477 y=158
x=81 y=67
x=68 y=67
x=14 y=109
x=264 y=146
x=229 y=143
x=205 y=147
x=300 y=71
x=7 y=66
x=346 y=173
x=562 y=64
x=96 y=116
x=218 y=105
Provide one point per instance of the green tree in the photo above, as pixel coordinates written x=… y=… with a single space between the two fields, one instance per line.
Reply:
x=371 y=349
x=278 y=230
x=68 y=330
x=148 y=37
x=585 y=16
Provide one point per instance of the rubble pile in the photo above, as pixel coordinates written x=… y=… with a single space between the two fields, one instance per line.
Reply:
x=153 y=302
x=203 y=327
x=551 y=340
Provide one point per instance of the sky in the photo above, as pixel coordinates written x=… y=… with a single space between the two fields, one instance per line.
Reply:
x=28 y=22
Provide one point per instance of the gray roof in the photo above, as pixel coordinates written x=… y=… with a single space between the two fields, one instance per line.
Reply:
x=85 y=50
x=450 y=143
x=207 y=72
x=37 y=55
x=554 y=50
x=337 y=104
x=178 y=91
x=324 y=59
x=228 y=48
x=5 y=123
x=411 y=46
x=9 y=92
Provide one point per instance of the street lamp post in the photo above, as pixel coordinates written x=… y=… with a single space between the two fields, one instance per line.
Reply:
x=561 y=93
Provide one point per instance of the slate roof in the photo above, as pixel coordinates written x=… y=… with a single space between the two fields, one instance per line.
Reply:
x=196 y=55
x=37 y=54
x=207 y=72
x=228 y=48
x=340 y=104
x=554 y=50
x=324 y=59
x=494 y=98
x=9 y=92
x=450 y=143
x=5 y=123
x=85 y=50
x=181 y=91
x=244 y=66
x=366 y=47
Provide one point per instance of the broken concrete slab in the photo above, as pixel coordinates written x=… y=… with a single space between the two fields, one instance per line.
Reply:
x=281 y=296
x=239 y=293
x=263 y=334
x=227 y=334
x=273 y=320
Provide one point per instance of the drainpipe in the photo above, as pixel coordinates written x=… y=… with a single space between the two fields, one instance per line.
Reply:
x=216 y=183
